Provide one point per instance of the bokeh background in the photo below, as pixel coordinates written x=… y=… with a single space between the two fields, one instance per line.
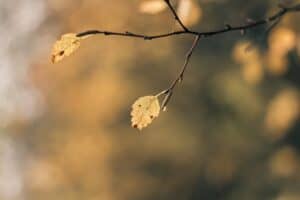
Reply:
x=231 y=130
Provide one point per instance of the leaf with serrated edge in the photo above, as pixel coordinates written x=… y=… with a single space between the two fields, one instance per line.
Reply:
x=144 y=111
x=67 y=44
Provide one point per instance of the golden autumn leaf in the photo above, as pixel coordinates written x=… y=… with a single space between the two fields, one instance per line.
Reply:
x=65 y=46
x=144 y=110
x=152 y=7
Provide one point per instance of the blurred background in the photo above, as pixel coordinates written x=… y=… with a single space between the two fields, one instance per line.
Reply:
x=231 y=130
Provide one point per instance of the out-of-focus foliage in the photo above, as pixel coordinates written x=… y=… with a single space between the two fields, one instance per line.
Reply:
x=252 y=65
x=152 y=6
x=282 y=112
x=281 y=42
x=189 y=11
x=231 y=130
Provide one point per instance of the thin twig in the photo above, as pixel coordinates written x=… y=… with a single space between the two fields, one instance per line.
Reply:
x=130 y=34
x=274 y=19
x=228 y=28
x=176 y=15
x=186 y=62
x=168 y=92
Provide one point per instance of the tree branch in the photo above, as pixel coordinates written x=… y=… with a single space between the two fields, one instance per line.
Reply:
x=176 y=15
x=168 y=92
x=228 y=28
x=274 y=19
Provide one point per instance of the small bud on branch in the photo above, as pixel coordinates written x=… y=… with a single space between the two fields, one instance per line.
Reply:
x=145 y=109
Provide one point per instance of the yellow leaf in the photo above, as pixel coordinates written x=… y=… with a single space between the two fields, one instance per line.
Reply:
x=152 y=7
x=144 y=110
x=65 y=47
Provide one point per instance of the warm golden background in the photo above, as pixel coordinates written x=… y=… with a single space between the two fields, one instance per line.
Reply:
x=231 y=131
